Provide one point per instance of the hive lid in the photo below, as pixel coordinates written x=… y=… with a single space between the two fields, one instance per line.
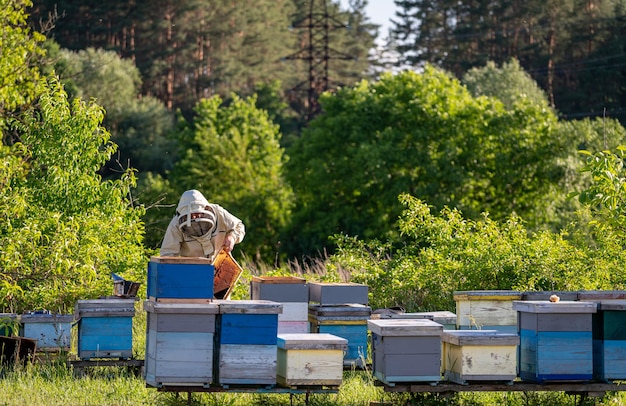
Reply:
x=545 y=306
x=347 y=309
x=405 y=327
x=249 y=306
x=479 y=337
x=108 y=307
x=311 y=341
x=609 y=306
x=487 y=295
x=338 y=284
x=180 y=308
x=181 y=260
x=443 y=317
x=587 y=295
x=46 y=317
x=278 y=279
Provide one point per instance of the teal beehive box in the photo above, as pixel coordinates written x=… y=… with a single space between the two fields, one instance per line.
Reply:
x=105 y=328
x=609 y=342
x=180 y=278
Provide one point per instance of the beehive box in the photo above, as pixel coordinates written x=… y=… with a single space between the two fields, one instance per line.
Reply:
x=9 y=324
x=338 y=293
x=180 y=278
x=445 y=318
x=279 y=289
x=556 y=342
x=406 y=350
x=52 y=331
x=310 y=360
x=602 y=296
x=479 y=355
x=105 y=328
x=294 y=318
x=348 y=321
x=486 y=310
x=180 y=343
x=247 y=337
x=292 y=292
x=609 y=342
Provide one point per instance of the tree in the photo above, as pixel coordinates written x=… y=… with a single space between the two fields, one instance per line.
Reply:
x=232 y=154
x=508 y=83
x=422 y=134
x=65 y=229
x=606 y=196
x=572 y=49
x=19 y=58
x=139 y=126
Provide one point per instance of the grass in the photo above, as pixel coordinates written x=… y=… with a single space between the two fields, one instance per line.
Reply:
x=55 y=384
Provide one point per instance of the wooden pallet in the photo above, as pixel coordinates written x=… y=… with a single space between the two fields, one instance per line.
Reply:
x=594 y=389
x=80 y=366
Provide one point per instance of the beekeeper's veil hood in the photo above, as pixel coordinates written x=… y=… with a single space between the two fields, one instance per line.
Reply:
x=195 y=216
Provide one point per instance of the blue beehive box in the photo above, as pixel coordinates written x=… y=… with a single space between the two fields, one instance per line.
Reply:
x=105 y=328
x=52 y=331
x=180 y=278
x=247 y=339
x=556 y=342
x=347 y=321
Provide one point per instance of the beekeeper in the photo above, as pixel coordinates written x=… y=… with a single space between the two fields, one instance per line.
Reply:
x=201 y=229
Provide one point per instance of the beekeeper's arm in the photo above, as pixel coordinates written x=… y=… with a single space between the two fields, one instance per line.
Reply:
x=234 y=228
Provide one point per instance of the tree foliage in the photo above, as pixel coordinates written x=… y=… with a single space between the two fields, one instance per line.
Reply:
x=422 y=134
x=509 y=83
x=607 y=195
x=139 y=126
x=447 y=252
x=19 y=57
x=65 y=229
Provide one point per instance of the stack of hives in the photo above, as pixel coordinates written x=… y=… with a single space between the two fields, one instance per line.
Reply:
x=341 y=309
x=194 y=339
x=180 y=322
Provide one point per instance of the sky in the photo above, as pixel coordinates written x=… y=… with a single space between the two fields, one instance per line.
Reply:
x=379 y=12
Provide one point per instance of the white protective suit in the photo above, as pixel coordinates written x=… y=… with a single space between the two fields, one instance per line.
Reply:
x=219 y=220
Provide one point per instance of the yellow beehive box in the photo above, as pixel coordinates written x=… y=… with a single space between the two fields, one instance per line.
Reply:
x=479 y=355
x=486 y=310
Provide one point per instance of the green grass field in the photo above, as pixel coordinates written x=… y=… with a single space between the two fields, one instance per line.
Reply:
x=55 y=384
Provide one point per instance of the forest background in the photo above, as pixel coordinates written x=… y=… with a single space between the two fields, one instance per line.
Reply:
x=448 y=159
